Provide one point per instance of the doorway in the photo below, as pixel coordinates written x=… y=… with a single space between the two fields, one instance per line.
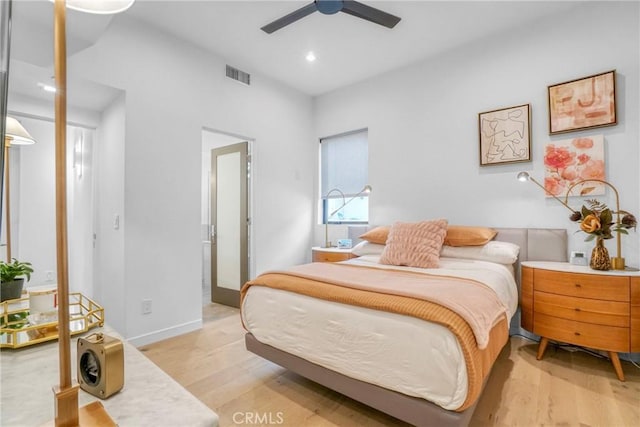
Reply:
x=226 y=189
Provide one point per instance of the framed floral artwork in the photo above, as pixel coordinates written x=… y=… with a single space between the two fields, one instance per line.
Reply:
x=584 y=103
x=505 y=135
x=569 y=161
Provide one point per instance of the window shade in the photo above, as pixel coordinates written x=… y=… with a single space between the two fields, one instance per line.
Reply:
x=344 y=163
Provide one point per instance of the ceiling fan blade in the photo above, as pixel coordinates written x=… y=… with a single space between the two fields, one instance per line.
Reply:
x=369 y=13
x=290 y=18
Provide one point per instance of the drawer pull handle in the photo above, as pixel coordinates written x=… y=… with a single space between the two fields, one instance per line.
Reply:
x=577 y=309
x=577 y=333
x=578 y=285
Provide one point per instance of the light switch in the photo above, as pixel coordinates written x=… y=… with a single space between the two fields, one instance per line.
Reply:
x=116 y=222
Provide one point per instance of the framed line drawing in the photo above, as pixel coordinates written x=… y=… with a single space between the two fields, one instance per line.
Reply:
x=583 y=103
x=505 y=135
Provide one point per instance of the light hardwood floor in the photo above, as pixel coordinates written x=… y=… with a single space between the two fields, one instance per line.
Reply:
x=565 y=388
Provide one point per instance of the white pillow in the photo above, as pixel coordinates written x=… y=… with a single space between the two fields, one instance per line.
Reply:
x=494 y=251
x=367 y=248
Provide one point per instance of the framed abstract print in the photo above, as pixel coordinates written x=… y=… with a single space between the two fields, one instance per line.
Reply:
x=505 y=135
x=584 y=103
x=569 y=161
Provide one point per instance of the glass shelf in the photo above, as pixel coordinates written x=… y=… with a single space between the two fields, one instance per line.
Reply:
x=16 y=331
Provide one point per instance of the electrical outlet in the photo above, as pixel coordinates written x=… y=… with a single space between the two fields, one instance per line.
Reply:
x=146 y=306
x=49 y=276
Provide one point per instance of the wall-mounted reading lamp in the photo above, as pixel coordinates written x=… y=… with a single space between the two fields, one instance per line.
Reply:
x=66 y=393
x=15 y=135
x=618 y=263
x=524 y=176
x=365 y=190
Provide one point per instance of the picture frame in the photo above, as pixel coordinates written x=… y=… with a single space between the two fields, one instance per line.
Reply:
x=505 y=135
x=584 y=103
x=567 y=162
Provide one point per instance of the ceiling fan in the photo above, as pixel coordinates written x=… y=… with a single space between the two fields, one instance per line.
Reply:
x=329 y=7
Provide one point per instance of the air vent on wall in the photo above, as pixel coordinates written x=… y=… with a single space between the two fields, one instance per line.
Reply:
x=241 y=76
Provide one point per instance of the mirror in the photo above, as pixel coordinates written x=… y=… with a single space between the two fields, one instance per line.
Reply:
x=5 y=17
x=32 y=168
x=32 y=202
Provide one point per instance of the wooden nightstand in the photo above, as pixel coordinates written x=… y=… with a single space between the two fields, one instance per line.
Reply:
x=578 y=305
x=319 y=254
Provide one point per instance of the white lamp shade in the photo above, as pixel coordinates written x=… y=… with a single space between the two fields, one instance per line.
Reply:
x=18 y=134
x=100 y=7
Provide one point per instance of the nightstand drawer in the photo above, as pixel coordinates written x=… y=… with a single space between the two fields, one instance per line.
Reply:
x=595 y=286
x=609 y=313
x=328 y=256
x=609 y=338
x=635 y=314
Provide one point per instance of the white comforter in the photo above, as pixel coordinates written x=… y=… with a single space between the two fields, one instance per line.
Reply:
x=397 y=352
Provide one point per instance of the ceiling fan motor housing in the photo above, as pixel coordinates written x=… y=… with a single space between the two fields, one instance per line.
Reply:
x=329 y=7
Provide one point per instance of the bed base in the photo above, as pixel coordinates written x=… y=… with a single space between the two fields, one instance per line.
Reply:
x=536 y=244
x=413 y=410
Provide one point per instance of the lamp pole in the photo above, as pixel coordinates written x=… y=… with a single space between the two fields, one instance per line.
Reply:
x=327 y=243
x=66 y=393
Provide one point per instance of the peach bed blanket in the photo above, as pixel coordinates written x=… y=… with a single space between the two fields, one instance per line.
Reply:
x=469 y=309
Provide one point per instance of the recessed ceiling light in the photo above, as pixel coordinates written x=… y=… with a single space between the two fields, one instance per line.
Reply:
x=47 y=88
x=310 y=57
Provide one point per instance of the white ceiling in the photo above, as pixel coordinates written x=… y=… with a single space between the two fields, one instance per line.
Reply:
x=348 y=49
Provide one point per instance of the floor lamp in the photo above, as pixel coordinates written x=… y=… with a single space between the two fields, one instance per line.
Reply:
x=66 y=393
x=15 y=135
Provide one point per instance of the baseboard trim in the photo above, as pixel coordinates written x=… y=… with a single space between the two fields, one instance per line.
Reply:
x=163 y=334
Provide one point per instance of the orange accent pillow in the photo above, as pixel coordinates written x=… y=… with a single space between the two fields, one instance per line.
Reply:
x=464 y=235
x=457 y=235
x=415 y=244
x=378 y=235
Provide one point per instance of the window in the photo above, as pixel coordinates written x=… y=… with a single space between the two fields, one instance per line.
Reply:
x=344 y=164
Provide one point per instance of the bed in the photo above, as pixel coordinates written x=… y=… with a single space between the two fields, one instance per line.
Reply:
x=418 y=364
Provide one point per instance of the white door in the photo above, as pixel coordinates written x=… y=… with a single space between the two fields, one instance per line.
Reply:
x=229 y=223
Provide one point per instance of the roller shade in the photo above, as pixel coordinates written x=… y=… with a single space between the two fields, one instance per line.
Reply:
x=344 y=163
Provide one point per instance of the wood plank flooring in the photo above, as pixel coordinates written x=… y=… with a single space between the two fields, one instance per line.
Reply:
x=565 y=388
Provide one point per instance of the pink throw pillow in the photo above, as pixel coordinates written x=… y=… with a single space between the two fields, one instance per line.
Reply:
x=415 y=244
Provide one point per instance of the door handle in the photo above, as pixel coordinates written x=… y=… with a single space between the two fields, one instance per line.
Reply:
x=213 y=234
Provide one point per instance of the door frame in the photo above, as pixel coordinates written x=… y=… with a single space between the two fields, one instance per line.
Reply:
x=207 y=146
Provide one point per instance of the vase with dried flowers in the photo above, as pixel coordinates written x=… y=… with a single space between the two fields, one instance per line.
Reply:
x=596 y=219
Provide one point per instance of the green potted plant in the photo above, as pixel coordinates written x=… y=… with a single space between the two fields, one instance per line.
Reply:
x=12 y=276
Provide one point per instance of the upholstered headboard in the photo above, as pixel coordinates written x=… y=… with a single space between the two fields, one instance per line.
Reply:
x=536 y=244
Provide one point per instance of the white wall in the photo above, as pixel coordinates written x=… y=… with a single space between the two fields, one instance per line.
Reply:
x=109 y=275
x=423 y=131
x=173 y=91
